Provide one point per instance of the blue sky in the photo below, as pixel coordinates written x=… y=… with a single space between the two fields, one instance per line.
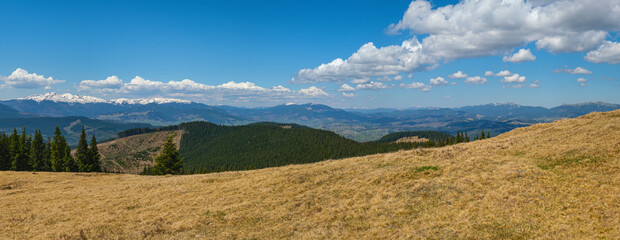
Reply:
x=264 y=53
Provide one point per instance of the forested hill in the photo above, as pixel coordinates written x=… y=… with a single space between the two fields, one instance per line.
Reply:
x=208 y=147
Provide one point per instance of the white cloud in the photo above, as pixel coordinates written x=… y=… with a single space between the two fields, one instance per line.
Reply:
x=582 y=82
x=577 y=70
x=515 y=78
x=487 y=27
x=608 y=52
x=360 y=80
x=20 y=78
x=476 y=80
x=439 y=81
x=398 y=78
x=523 y=55
x=346 y=88
x=140 y=84
x=503 y=73
x=458 y=74
x=476 y=29
x=186 y=88
x=344 y=94
x=313 y=92
x=416 y=85
x=572 y=42
x=371 y=86
x=370 y=61
x=110 y=84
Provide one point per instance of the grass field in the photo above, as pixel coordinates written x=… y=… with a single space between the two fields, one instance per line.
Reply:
x=558 y=180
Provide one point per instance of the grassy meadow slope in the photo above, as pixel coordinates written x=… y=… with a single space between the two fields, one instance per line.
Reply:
x=559 y=180
x=131 y=154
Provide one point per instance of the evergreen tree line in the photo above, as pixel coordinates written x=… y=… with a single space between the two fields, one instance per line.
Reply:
x=208 y=147
x=22 y=152
x=460 y=137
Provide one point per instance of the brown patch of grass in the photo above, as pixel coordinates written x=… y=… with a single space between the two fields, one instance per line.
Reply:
x=489 y=189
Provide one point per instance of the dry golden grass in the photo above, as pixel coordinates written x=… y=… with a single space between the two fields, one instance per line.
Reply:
x=131 y=154
x=549 y=181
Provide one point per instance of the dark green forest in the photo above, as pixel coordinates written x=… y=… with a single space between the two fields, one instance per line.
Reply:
x=207 y=147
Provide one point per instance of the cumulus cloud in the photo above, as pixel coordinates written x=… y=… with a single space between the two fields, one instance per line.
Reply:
x=370 y=61
x=21 y=78
x=439 y=81
x=476 y=80
x=572 y=42
x=346 y=88
x=608 y=52
x=577 y=70
x=457 y=74
x=187 y=88
x=371 y=86
x=416 y=85
x=398 y=78
x=477 y=29
x=523 y=55
x=503 y=73
x=313 y=92
x=360 y=80
x=582 y=82
x=515 y=78
x=486 y=27
x=344 y=94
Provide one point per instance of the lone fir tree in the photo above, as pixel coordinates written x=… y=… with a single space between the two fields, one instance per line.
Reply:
x=93 y=156
x=82 y=154
x=169 y=161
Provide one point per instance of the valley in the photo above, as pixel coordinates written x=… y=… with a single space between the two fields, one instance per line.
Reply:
x=368 y=125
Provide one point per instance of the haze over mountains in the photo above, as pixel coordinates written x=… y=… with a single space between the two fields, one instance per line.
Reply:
x=364 y=125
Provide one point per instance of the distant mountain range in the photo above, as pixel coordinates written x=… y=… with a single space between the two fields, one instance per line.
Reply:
x=361 y=125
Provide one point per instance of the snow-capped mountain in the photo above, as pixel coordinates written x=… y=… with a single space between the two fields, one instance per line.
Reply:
x=72 y=98
x=158 y=111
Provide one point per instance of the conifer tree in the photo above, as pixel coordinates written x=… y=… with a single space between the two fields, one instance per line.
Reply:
x=466 y=137
x=37 y=152
x=93 y=156
x=5 y=152
x=488 y=135
x=169 y=161
x=48 y=154
x=482 y=134
x=20 y=151
x=57 y=151
x=68 y=161
x=81 y=153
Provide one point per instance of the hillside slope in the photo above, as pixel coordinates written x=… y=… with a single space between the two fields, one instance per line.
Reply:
x=131 y=154
x=559 y=180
